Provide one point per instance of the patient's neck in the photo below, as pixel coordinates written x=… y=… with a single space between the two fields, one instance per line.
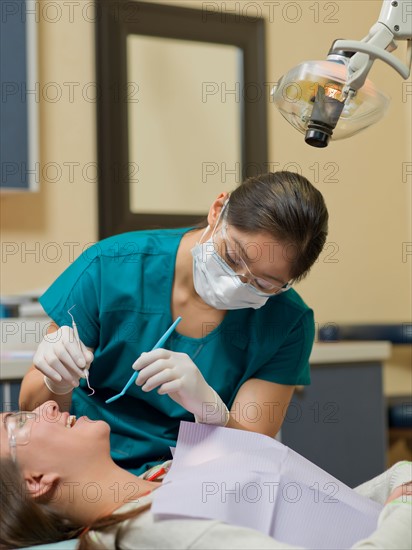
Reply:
x=95 y=493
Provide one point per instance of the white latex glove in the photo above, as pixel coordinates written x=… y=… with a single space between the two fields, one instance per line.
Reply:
x=182 y=381
x=61 y=360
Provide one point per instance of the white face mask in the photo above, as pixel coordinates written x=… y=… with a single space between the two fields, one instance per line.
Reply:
x=216 y=282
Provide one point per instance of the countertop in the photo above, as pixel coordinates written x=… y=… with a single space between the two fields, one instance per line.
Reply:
x=326 y=353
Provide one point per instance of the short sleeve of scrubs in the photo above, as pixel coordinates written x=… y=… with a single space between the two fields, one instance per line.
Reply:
x=78 y=287
x=290 y=364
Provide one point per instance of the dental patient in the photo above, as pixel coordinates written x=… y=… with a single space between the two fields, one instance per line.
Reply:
x=58 y=482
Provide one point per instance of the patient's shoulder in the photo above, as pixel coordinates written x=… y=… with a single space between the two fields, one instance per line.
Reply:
x=229 y=537
x=145 y=532
x=180 y=534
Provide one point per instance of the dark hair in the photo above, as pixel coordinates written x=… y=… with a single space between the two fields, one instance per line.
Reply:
x=288 y=207
x=26 y=522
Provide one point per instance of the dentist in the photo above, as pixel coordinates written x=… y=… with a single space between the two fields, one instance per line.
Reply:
x=244 y=340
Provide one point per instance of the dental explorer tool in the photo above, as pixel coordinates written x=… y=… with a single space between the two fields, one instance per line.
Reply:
x=76 y=335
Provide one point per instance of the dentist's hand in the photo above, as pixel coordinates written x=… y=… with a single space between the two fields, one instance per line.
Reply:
x=61 y=360
x=178 y=377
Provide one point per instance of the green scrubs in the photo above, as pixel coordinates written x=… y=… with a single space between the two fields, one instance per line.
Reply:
x=122 y=289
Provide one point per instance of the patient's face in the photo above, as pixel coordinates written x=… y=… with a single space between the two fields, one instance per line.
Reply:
x=54 y=445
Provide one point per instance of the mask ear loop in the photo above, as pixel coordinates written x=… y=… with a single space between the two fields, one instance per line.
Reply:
x=220 y=216
x=216 y=224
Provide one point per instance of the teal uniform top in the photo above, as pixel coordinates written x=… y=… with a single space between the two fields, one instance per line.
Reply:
x=122 y=290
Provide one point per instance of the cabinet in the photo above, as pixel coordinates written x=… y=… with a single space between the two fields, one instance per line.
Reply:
x=339 y=421
x=9 y=395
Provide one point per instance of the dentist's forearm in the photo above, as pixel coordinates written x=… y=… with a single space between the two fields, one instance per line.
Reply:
x=235 y=424
x=34 y=392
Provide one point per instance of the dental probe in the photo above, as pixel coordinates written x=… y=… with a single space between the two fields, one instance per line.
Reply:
x=76 y=335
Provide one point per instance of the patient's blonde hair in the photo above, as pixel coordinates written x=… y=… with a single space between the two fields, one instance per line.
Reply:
x=27 y=522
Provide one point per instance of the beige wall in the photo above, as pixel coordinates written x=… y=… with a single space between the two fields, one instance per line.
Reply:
x=361 y=276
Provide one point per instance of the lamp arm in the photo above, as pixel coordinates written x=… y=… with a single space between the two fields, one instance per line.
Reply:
x=373 y=52
x=397 y=16
x=392 y=23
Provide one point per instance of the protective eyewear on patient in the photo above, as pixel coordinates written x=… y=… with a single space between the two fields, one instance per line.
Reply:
x=230 y=254
x=18 y=426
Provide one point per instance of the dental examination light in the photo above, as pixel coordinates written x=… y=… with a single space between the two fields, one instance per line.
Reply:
x=318 y=96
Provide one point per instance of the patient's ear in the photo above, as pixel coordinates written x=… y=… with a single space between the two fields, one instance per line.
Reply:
x=40 y=485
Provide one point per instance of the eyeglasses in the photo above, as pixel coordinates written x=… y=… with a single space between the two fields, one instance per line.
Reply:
x=239 y=266
x=18 y=426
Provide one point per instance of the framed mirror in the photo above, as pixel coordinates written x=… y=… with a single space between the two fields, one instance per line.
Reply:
x=181 y=111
